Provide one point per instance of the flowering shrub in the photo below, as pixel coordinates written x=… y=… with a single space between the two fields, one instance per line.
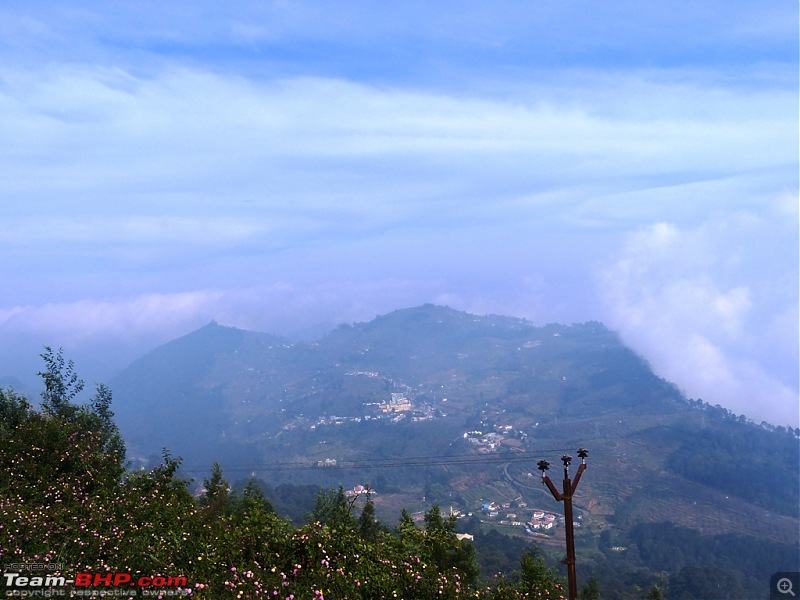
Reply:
x=65 y=498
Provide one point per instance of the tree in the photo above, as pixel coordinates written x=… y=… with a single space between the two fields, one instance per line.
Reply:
x=62 y=385
x=14 y=410
x=368 y=525
x=253 y=499
x=332 y=508
x=217 y=489
x=444 y=549
x=592 y=590
x=100 y=405
x=61 y=382
x=537 y=577
x=696 y=581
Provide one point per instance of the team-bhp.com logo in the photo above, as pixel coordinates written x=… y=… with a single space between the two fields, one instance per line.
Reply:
x=23 y=580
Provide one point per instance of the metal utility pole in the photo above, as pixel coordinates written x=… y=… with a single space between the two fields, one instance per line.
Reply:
x=566 y=497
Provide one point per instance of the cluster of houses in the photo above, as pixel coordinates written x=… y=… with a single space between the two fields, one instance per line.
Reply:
x=360 y=489
x=541 y=521
x=505 y=515
x=400 y=407
x=486 y=442
x=398 y=404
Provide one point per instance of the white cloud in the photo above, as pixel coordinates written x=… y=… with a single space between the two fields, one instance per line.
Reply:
x=714 y=312
x=89 y=320
x=332 y=155
x=189 y=117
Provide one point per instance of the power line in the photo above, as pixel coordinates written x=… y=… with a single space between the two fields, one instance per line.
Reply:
x=387 y=463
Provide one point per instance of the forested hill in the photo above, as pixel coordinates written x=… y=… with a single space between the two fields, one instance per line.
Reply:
x=483 y=398
x=245 y=384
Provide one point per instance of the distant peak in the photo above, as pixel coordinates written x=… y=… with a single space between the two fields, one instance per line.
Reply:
x=214 y=324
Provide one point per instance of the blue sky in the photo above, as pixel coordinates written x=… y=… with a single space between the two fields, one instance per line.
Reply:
x=280 y=165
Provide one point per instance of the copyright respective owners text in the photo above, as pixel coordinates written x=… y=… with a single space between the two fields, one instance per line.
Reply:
x=785 y=585
x=51 y=580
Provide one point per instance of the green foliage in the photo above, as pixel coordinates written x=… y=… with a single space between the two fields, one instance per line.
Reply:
x=294 y=501
x=745 y=461
x=368 y=526
x=62 y=385
x=539 y=580
x=101 y=405
x=746 y=560
x=497 y=552
x=215 y=497
x=702 y=581
x=591 y=591
x=667 y=547
x=61 y=382
x=444 y=549
x=14 y=410
x=253 y=500
x=333 y=509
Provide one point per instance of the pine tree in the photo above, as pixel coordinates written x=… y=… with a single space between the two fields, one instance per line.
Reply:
x=655 y=593
x=592 y=590
x=537 y=577
x=368 y=525
x=217 y=490
x=332 y=508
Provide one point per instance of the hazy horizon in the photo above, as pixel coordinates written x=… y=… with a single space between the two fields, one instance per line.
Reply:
x=278 y=166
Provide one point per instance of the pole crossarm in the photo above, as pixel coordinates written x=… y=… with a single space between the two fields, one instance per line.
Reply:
x=552 y=489
x=581 y=469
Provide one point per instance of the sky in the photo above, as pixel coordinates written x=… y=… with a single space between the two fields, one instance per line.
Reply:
x=288 y=166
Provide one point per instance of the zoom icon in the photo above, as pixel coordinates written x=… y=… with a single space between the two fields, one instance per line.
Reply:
x=784 y=585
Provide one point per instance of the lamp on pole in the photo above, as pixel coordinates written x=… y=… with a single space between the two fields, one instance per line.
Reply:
x=565 y=496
